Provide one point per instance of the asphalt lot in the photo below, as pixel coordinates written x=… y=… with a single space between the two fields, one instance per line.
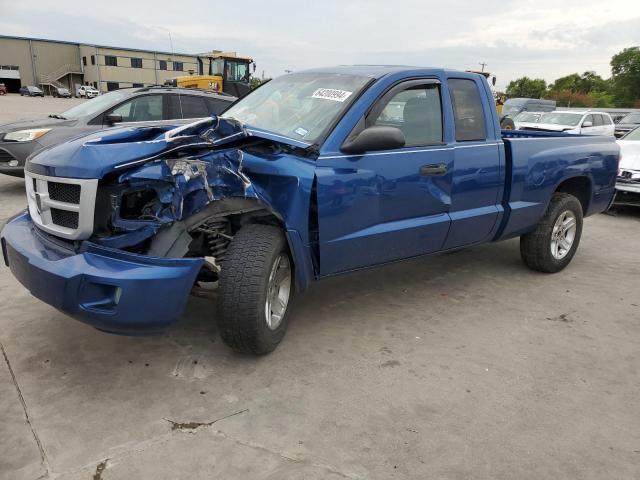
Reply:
x=456 y=366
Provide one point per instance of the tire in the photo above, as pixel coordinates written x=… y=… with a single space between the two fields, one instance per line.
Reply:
x=244 y=284
x=507 y=123
x=552 y=245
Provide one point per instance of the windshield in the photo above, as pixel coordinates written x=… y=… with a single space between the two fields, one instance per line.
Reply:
x=632 y=135
x=300 y=105
x=527 y=117
x=630 y=118
x=94 y=106
x=561 y=118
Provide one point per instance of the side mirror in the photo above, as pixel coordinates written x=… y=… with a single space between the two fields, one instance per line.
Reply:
x=587 y=123
x=374 y=138
x=112 y=118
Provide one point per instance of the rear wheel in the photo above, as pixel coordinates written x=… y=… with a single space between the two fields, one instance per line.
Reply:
x=552 y=245
x=507 y=123
x=256 y=290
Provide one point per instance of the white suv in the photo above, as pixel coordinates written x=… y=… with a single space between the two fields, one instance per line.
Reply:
x=87 y=91
x=579 y=123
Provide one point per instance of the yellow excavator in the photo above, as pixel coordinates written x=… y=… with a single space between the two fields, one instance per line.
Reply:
x=227 y=72
x=506 y=122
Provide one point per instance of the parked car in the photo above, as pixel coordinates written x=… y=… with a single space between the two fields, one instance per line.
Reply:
x=311 y=175
x=87 y=91
x=3 y=89
x=60 y=92
x=526 y=119
x=152 y=105
x=627 y=123
x=578 y=123
x=628 y=181
x=514 y=106
x=31 y=91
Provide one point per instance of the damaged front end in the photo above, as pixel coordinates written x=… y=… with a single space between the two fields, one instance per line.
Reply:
x=165 y=203
x=191 y=195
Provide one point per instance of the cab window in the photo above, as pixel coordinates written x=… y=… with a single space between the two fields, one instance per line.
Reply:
x=467 y=110
x=416 y=110
x=141 y=109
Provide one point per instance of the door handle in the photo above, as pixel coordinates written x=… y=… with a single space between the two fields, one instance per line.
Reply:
x=437 y=169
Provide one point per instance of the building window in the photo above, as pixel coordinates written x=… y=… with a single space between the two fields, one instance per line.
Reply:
x=178 y=67
x=84 y=61
x=93 y=60
x=136 y=63
x=110 y=61
x=137 y=85
x=163 y=64
x=112 y=86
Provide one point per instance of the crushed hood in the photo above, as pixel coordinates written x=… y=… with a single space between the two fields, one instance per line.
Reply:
x=99 y=153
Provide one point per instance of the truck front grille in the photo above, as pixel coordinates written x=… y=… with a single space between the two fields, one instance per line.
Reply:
x=64 y=192
x=64 y=218
x=62 y=206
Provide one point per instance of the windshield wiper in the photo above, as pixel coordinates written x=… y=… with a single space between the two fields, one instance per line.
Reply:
x=55 y=115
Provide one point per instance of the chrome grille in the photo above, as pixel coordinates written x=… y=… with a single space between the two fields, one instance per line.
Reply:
x=62 y=206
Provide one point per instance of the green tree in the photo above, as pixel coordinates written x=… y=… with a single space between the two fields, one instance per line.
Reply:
x=527 y=87
x=625 y=68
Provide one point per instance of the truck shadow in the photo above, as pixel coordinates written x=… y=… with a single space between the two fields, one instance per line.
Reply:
x=355 y=295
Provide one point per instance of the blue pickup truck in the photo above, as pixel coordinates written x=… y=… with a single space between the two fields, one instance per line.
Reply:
x=313 y=174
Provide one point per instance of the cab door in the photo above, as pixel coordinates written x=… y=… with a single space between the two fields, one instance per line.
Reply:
x=477 y=179
x=386 y=205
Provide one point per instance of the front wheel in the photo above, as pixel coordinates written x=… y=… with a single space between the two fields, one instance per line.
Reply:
x=256 y=290
x=552 y=245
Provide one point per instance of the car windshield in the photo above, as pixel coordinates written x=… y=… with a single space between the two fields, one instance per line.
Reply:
x=561 y=118
x=630 y=118
x=632 y=135
x=527 y=117
x=300 y=105
x=94 y=106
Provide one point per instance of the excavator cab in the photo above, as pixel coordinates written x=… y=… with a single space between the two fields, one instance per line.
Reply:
x=222 y=72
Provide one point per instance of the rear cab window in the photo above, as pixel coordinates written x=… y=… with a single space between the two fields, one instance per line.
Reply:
x=468 y=112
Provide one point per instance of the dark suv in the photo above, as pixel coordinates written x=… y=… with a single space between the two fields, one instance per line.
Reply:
x=147 y=105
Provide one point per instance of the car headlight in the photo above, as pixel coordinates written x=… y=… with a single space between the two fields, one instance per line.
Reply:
x=25 y=135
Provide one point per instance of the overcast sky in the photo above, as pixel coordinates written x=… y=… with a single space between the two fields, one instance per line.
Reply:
x=543 y=38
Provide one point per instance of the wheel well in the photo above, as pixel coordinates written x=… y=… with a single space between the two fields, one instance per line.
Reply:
x=579 y=187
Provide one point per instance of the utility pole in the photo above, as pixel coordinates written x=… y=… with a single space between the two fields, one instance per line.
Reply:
x=483 y=64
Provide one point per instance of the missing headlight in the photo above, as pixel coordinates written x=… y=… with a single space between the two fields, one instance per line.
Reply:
x=139 y=204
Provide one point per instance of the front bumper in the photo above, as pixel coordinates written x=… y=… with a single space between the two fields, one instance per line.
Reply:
x=12 y=152
x=112 y=290
x=627 y=193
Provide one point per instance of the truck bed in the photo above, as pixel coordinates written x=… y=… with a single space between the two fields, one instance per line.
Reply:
x=537 y=163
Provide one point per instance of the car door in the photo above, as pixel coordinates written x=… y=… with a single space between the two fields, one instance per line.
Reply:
x=386 y=205
x=477 y=181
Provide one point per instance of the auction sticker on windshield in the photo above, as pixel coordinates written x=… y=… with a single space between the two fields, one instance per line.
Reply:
x=331 y=94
